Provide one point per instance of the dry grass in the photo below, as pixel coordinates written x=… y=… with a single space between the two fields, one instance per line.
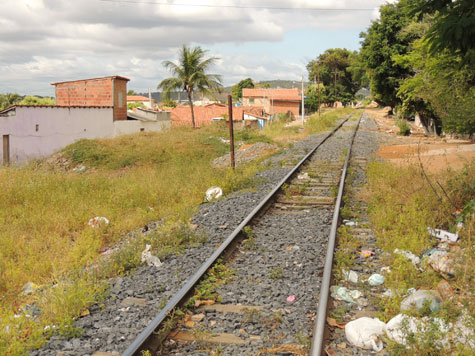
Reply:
x=403 y=205
x=132 y=180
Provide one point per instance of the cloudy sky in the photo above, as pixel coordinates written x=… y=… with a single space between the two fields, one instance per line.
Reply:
x=45 y=41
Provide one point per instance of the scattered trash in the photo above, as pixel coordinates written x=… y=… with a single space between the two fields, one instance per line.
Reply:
x=303 y=176
x=342 y=293
x=366 y=253
x=385 y=269
x=213 y=193
x=440 y=262
x=291 y=298
x=443 y=235
x=365 y=332
x=388 y=293
x=98 y=221
x=409 y=255
x=350 y=223
x=350 y=276
x=464 y=334
x=400 y=326
x=29 y=288
x=223 y=140
x=419 y=298
x=445 y=289
x=148 y=258
x=79 y=169
x=376 y=279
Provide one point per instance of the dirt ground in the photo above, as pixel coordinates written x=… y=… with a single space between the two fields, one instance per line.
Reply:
x=437 y=154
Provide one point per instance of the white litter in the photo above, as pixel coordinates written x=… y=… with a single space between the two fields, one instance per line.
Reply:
x=150 y=259
x=365 y=332
x=443 y=235
x=402 y=325
x=350 y=223
x=303 y=176
x=439 y=260
x=386 y=269
x=98 y=221
x=350 y=276
x=376 y=279
x=214 y=193
x=409 y=255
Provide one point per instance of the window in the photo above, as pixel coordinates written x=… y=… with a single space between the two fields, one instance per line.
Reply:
x=121 y=100
x=251 y=101
x=37 y=127
x=142 y=129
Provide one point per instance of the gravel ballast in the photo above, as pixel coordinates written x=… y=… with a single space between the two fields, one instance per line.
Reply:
x=114 y=325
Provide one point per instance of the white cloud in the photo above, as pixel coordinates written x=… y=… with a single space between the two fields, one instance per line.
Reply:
x=52 y=40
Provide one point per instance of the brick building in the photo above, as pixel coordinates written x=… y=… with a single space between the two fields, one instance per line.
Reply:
x=274 y=101
x=105 y=92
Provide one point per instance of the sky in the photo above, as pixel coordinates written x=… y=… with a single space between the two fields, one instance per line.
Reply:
x=46 y=41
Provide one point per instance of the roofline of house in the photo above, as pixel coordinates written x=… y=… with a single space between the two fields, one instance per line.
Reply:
x=98 y=78
x=53 y=107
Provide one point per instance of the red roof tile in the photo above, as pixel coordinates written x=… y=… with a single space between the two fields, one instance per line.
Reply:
x=137 y=98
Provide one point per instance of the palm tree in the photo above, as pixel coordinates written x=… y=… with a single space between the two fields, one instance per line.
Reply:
x=190 y=74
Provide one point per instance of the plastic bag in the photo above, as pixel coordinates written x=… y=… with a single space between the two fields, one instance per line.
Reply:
x=409 y=255
x=98 y=221
x=416 y=300
x=376 y=279
x=364 y=332
x=350 y=276
x=342 y=293
x=400 y=326
x=213 y=193
x=148 y=258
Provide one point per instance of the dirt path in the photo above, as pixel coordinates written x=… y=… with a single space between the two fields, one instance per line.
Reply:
x=437 y=154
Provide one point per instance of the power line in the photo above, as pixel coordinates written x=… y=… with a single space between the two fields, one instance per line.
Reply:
x=240 y=6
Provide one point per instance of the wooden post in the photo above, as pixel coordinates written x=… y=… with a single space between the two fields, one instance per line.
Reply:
x=6 y=150
x=231 y=130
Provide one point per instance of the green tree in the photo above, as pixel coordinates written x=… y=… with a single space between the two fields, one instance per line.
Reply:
x=236 y=89
x=34 y=100
x=441 y=89
x=311 y=96
x=190 y=74
x=335 y=74
x=453 y=27
x=9 y=99
x=131 y=92
x=381 y=42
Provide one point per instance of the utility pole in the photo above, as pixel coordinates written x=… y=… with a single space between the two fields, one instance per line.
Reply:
x=303 y=105
x=335 y=72
x=150 y=97
x=231 y=131
x=318 y=84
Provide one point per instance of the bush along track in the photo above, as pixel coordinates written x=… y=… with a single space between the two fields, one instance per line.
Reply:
x=390 y=266
x=131 y=300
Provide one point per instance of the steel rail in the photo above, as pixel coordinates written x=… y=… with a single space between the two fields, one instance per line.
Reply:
x=177 y=298
x=319 y=328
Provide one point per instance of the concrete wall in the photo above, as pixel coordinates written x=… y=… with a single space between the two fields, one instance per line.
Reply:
x=133 y=126
x=37 y=132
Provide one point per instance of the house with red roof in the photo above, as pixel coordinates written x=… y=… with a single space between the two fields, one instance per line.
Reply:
x=273 y=101
x=140 y=99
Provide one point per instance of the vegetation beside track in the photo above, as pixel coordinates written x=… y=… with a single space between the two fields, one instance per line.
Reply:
x=131 y=180
x=403 y=204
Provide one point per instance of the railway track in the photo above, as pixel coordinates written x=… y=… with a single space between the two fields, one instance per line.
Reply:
x=269 y=273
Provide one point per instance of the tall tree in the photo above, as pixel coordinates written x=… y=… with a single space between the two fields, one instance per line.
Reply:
x=335 y=74
x=190 y=75
x=9 y=99
x=236 y=89
x=382 y=41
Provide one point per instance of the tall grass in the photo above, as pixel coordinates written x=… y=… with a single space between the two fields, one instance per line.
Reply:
x=131 y=180
x=403 y=205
